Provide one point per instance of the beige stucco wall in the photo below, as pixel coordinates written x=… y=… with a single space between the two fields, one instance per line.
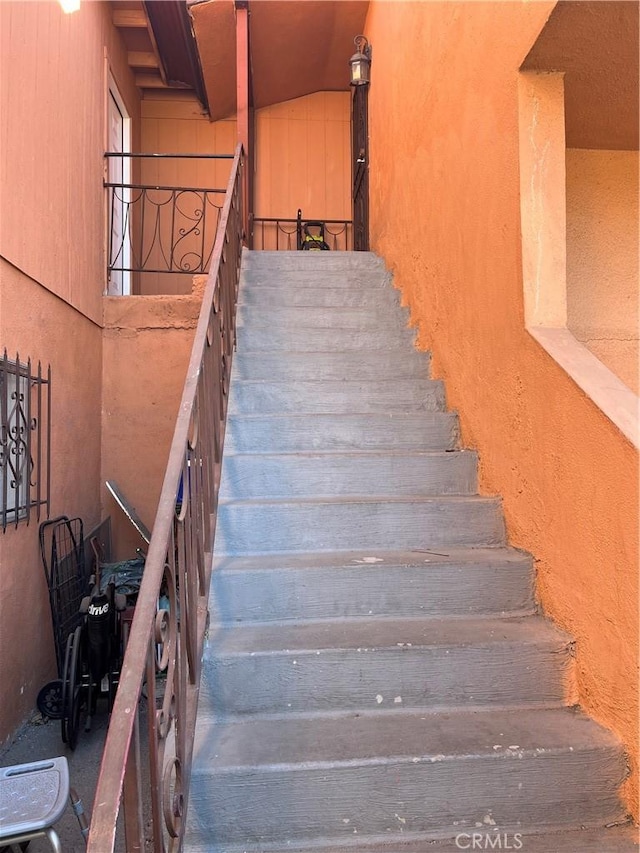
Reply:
x=602 y=256
x=53 y=100
x=147 y=344
x=445 y=215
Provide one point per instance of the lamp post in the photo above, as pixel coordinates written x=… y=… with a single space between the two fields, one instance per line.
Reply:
x=360 y=67
x=360 y=62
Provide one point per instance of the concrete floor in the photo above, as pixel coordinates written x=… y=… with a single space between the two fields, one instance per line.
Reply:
x=40 y=738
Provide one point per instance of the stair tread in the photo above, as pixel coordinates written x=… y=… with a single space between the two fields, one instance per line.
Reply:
x=353 y=500
x=367 y=561
x=375 y=737
x=617 y=839
x=387 y=416
x=348 y=454
x=411 y=382
x=383 y=633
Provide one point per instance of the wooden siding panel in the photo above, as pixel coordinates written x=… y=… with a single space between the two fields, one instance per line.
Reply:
x=179 y=127
x=53 y=210
x=302 y=157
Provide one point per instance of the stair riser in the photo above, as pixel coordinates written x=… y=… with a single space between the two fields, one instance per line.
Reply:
x=309 y=339
x=398 y=592
x=250 y=806
x=619 y=839
x=292 y=475
x=315 y=279
x=275 y=263
x=380 y=365
x=254 y=398
x=437 y=431
x=349 y=525
x=272 y=299
x=382 y=320
x=348 y=679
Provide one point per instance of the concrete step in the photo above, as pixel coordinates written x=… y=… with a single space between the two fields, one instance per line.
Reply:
x=281 y=475
x=378 y=364
x=615 y=839
x=286 y=294
x=249 y=397
x=322 y=262
x=316 y=780
x=353 y=319
x=291 y=433
x=460 y=582
x=281 y=338
x=384 y=664
x=347 y=524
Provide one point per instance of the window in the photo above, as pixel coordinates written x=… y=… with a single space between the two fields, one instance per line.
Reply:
x=25 y=459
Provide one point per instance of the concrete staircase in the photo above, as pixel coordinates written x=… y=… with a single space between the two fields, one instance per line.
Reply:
x=377 y=677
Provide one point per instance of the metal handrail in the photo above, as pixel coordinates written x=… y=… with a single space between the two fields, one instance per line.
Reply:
x=339 y=230
x=178 y=565
x=158 y=227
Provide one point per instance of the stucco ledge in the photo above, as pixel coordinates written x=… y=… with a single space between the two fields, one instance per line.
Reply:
x=601 y=385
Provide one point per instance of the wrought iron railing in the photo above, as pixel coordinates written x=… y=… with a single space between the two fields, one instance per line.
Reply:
x=157 y=227
x=25 y=441
x=288 y=234
x=178 y=565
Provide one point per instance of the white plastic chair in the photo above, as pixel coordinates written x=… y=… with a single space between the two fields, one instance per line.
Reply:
x=33 y=798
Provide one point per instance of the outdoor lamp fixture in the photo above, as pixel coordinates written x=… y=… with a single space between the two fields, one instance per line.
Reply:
x=360 y=62
x=69 y=6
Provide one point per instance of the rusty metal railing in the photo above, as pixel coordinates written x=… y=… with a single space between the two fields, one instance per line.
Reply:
x=178 y=566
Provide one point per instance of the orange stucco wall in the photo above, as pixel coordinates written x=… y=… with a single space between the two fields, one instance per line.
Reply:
x=602 y=256
x=37 y=323
x=147 y=344
x=445 y=215
x=53 y=97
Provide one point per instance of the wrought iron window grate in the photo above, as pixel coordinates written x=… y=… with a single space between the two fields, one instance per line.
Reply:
x=25 y=439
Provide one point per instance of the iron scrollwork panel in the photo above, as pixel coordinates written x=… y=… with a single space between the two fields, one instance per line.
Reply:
x=164 y=229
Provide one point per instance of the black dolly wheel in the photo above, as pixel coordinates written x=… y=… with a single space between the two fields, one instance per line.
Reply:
x=71 y=678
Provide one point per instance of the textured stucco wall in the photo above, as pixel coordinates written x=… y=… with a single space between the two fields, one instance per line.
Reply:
x=602 y=256
x=39 y=324
x=445 y=215
x=147 y=344
x=53 y=99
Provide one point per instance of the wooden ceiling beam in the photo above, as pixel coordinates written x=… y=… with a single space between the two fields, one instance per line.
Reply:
x=143 y=59
x=135 y=18
x=154 y=81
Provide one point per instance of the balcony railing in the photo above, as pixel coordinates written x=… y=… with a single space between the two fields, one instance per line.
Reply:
x=156 y=226
x=179 y=564
x=289 y=234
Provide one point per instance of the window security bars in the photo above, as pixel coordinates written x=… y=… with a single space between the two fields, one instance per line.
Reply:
x=25 y=434
x=160 y=227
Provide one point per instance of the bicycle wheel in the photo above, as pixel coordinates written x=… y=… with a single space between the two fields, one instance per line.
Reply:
x=71 y=678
